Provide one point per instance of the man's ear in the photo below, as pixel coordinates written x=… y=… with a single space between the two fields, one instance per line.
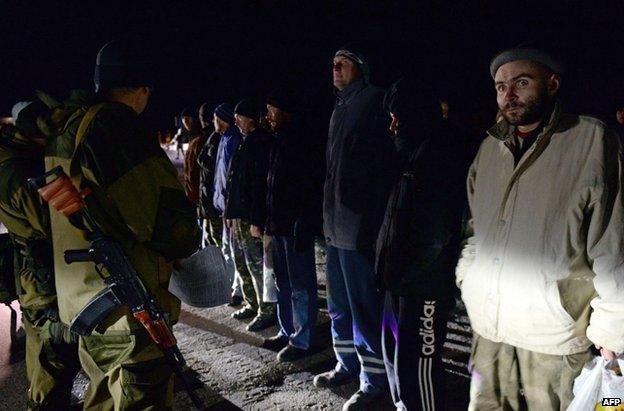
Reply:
x=553 y=84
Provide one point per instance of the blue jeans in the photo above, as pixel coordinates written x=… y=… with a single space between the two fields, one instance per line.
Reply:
x=295 y=277
x=355 y=308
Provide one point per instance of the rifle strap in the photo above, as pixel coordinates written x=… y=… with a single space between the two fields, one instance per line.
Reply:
x=86 y=121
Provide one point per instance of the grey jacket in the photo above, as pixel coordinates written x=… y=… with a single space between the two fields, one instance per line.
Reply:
x=360 y=168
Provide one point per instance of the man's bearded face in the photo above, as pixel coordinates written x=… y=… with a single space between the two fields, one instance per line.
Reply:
x=522 y=92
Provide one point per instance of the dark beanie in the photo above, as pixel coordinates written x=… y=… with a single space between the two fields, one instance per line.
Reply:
x=283 y=99
x=526 y=53
x=121 y=64
x=357 y=57
x=412 y=101
x=225 y=113
x=248 y=108
x=188 y=112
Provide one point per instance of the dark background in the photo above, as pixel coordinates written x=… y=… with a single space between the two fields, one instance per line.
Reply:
x=217 y=51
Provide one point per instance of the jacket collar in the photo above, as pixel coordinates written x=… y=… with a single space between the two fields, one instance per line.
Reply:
x=505 y=132
x=345 y=95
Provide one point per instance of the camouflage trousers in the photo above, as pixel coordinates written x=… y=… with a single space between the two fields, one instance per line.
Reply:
x=505 y=377
x=212 y=231
x=51 y=362
x=248 y=254
x=126 y=372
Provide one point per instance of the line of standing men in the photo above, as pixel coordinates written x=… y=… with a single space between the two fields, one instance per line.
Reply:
x=547 y=214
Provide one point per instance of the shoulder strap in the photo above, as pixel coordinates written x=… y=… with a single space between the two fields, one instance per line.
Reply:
x=86 y=121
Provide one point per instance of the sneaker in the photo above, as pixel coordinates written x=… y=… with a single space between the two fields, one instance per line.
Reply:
x=332 y=378
x=236 y=301
x=243 y=313
x=291 y=353
x=261 y=322
x=362 y=401
x=275 y=343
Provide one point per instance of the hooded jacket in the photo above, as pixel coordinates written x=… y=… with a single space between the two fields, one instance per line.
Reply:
x=543 y=270
x=360 y=168
x=418 y=243
x=247 y=179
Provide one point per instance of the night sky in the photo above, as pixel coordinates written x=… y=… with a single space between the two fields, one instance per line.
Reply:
x=222 y=51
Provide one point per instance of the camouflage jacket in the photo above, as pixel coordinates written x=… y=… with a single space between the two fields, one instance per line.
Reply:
x=136 y=199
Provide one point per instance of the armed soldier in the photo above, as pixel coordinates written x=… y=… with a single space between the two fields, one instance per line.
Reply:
x=137 y=200
x=51 y=352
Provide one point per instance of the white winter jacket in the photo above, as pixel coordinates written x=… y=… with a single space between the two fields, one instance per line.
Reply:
x=544 y=270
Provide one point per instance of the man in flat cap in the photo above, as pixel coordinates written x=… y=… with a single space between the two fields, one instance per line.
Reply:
x=360 y=174
x=542 y=275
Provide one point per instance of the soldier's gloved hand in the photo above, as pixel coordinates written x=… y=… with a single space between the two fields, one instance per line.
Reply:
x=304 y=237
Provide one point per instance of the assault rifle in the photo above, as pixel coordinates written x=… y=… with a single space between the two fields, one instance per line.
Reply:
x=123 y=284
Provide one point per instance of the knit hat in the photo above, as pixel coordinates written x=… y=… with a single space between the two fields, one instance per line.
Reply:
x=357 y=57
x=225 y=113
x=18 y=107
x=526 y=53
x=283 y=99
x=119 y=64
x=248 y=108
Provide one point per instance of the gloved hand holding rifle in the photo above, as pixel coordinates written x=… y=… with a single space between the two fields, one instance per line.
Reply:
x=123 y=284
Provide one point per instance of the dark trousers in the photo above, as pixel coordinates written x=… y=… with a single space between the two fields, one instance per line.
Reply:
x=413 y=337
x=295 y=277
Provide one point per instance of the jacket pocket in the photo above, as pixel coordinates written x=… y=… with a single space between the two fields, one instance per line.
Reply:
x=553 y=300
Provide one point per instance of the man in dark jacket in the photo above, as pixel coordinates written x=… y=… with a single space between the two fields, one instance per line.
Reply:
x=212 y=224
x=293 y=219
x=245 y=209
x=418 y=245
x=358 y=181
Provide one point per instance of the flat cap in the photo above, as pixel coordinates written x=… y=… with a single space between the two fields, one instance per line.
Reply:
x=526 y=53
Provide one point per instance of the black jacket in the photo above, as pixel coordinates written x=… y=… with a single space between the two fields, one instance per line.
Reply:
x=418 y=243
x=207 y=160
x=295 y=180
x=247 y=179
x=360 y=168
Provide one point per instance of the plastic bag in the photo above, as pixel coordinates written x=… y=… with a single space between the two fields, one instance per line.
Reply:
x=599 y=380
x=203 y=280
